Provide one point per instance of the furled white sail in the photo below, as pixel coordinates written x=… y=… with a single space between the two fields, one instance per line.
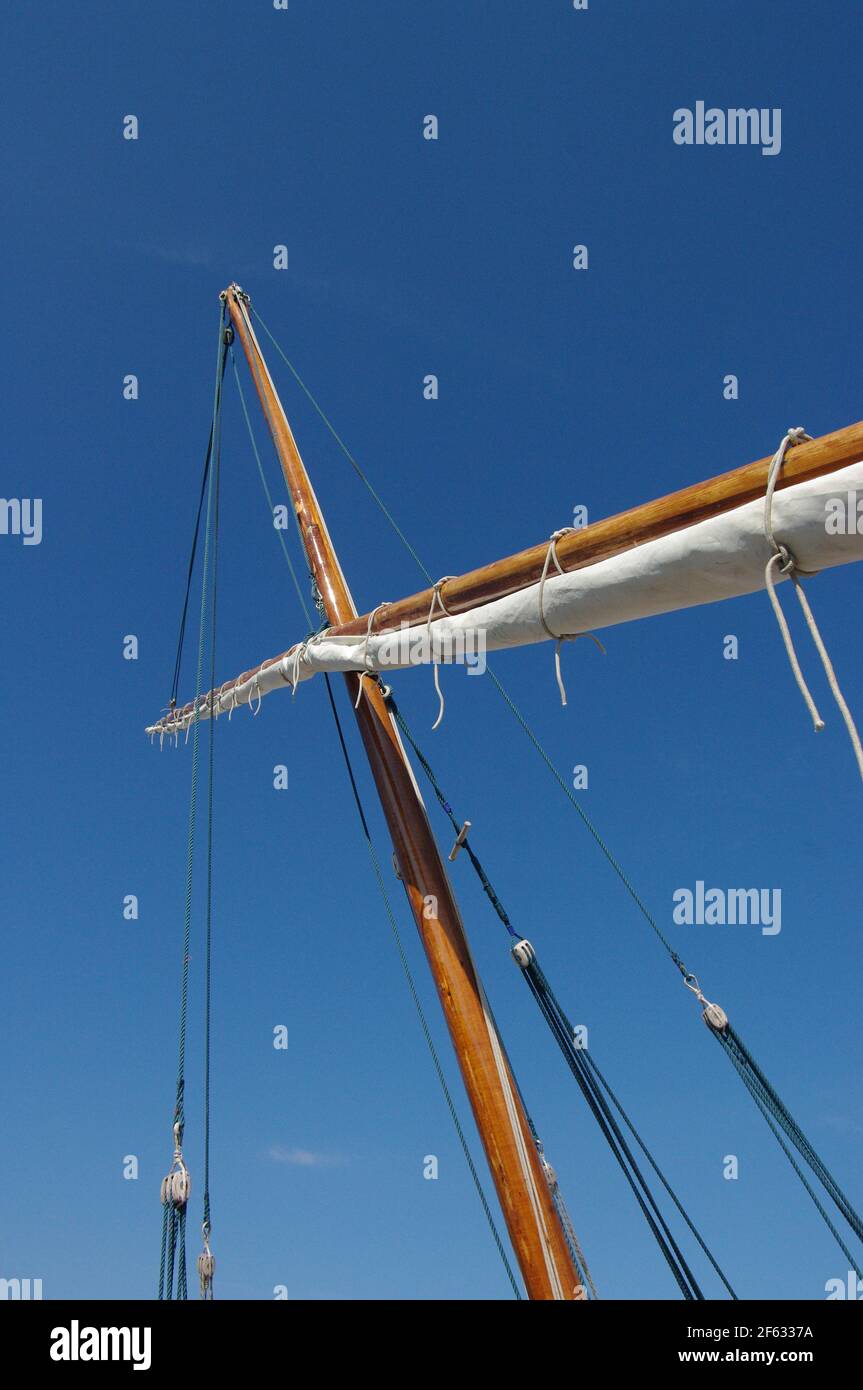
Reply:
x=723 y=557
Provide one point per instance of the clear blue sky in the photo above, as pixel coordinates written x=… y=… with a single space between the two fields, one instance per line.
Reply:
x=556 y=388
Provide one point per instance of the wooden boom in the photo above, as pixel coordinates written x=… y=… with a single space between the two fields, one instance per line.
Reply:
x=537 y=1236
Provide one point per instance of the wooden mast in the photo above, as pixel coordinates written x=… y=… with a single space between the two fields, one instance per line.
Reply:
x=531 y=1217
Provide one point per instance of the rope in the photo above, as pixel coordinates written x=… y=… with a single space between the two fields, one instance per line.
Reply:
x=436 y=599
x=488 y=889
x=770 y=1103
x=175 y=683
x=658 y=1171
x=361 y=676
x=206 y=1261
x=744 y=1076
x=783 y=561
x=267 y=493
x=558 y=637
x=614 y=1137
x=175 y=1187
x=342 y=445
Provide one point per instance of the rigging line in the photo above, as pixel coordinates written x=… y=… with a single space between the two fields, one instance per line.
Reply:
x=575 y=1249
x=591 y=1065
x=679 y=1270
x=182 y=633
x=416 y=999
x=477 y=1181
x=206 y=1264
x=278 y=530
x=658 y=1171
x=176 y=1209
x=770 y=1104
x=759 y=1101
x=342 y=445
x=465 y=843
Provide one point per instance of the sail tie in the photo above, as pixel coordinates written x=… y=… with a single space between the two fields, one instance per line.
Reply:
x=559 y=637
x=783 y=561
x=436 y=599
x=369 y=670
x=298 y=657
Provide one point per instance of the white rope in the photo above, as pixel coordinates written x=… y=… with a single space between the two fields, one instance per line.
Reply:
x=783 y=560
x=559 y=637
x=436 y=599
x=369 y=670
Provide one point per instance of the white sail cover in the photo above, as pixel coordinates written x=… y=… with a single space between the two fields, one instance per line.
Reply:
x=723 y=557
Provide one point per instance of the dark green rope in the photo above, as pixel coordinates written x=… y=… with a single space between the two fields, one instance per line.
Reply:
x=175 y=1236
x=613 y=1136
x=342 y=445
x=770 y=1104
x=208 y=947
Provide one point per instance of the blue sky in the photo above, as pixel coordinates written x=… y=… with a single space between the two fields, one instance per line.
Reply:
x=603 y=387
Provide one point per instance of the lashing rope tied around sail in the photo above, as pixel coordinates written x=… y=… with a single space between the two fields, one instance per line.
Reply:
x=784 y=562
x=297 y=656
x=437 y=600
x=369 y=670
x=559 y=637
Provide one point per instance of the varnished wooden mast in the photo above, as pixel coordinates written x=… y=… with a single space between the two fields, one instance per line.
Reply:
x=535 y=1230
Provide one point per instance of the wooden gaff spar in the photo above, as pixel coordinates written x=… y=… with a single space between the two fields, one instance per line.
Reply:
x=526 y=1200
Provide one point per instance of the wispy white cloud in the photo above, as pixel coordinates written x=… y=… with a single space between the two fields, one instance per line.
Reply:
x=303 y=1158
